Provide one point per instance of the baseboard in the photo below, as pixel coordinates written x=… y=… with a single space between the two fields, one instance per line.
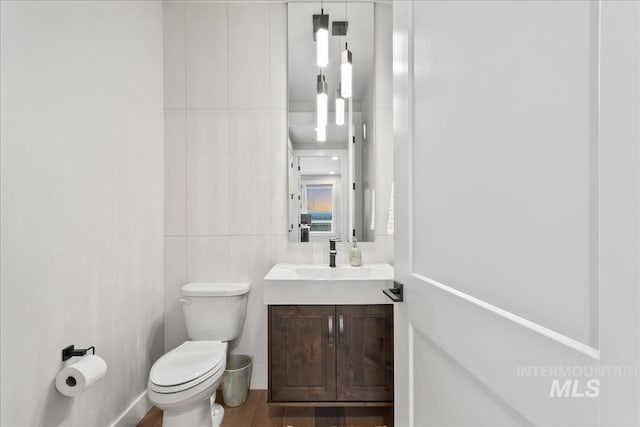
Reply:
x=259 y=376
x=134 y=413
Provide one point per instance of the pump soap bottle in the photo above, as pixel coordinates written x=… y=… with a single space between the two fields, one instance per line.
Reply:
x=355 y=256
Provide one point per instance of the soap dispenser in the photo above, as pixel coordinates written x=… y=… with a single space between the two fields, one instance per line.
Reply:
x=355 y=256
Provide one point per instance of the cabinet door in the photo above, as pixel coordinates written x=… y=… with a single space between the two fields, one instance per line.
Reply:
x=365 y=353
x=302 y=353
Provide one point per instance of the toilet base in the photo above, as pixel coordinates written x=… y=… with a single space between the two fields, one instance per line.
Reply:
x=201 y=415
x=217 y=414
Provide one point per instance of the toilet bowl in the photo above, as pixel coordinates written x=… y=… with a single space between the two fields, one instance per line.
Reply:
x=183 y=382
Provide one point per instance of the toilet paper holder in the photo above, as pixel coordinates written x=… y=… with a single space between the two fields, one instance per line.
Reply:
x=70 y=351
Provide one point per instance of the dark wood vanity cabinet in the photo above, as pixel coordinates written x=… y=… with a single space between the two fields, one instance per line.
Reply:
x=364 y=361
x=302 y=353
x=340 y=354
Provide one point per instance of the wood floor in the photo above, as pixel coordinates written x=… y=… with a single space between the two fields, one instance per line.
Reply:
x=256 y=413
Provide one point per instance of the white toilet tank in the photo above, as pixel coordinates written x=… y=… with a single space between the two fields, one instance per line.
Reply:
x=214 y=310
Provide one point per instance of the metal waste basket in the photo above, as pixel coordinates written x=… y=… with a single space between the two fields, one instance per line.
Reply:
x=236 y=379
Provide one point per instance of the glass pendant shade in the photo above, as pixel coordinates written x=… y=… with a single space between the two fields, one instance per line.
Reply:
x=339 y=108
x=321 y=102
x=321 y=134
x=322 y=40
x=346 y=73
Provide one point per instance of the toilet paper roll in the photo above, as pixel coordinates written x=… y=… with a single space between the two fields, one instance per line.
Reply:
x=79 y=376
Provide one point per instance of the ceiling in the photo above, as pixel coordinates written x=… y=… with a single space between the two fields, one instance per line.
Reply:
x=302 y=130
x=336 y=135
x=320 y=165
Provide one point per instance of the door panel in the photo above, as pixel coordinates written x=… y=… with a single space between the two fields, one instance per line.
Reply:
x=303 y=355
x=365 y=353
x=498 y=357
x=442 y=406
x=499 y=240
x=505 y=156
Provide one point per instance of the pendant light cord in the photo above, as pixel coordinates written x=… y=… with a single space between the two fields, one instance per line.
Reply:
x=346 y=18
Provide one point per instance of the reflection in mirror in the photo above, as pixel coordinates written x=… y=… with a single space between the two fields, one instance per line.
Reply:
x=331 y=176
x=322 y=210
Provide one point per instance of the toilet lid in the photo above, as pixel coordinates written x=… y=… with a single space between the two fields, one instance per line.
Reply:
x=187 y=362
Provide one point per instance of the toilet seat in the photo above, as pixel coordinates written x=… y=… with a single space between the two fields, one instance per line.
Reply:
x=188 y=365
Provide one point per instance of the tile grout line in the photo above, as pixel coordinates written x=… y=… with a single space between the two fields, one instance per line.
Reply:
x=226 y=108
x=269 y=157
x=227 y=71
x=186 y=149
x=226 y=10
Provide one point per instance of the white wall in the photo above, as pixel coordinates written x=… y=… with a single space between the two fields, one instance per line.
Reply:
x=377 y=173
x=226 y=151
x=81 y=99
x=619 y=176
x=383 y=139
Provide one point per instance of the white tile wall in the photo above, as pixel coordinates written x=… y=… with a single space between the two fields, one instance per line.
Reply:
x=282 y=250
x=227 y=214
x=248 y=165
x=174 y=55
x=175 y=275
x=208 y=167
x=175 y=168
x=207 y=259
x=249 y=261
x=278 y=56
x=207 y=49
x=249 y=81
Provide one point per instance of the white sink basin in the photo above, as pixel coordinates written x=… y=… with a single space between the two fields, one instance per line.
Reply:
x=302 y=284
x=322 y=272
x=337 y=273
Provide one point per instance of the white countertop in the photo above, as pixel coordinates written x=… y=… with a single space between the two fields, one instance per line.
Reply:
x=316 y=284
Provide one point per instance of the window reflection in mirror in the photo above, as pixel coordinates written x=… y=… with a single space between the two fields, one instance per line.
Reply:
x=322 y=189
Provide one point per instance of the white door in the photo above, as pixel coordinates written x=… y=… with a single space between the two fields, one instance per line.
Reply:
x=517 y=212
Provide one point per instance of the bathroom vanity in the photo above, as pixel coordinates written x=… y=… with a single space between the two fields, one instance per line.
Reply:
x=331 y=328
x=330 y=335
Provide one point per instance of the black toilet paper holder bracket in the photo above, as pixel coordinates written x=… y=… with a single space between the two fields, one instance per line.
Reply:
x=70 y=351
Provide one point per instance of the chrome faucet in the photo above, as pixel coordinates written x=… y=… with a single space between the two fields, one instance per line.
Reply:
x=332 y=252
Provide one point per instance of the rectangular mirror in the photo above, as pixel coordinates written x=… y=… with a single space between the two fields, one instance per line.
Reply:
x=331 y=166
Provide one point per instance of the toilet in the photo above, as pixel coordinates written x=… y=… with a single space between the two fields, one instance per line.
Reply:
x=183 y=382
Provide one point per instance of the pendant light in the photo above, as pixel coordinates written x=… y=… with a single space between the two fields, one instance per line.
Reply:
x=321 y=36
x=339 y=107
x=346 y=72
x=321 y=134
x=321 y=102
x=346 y=66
